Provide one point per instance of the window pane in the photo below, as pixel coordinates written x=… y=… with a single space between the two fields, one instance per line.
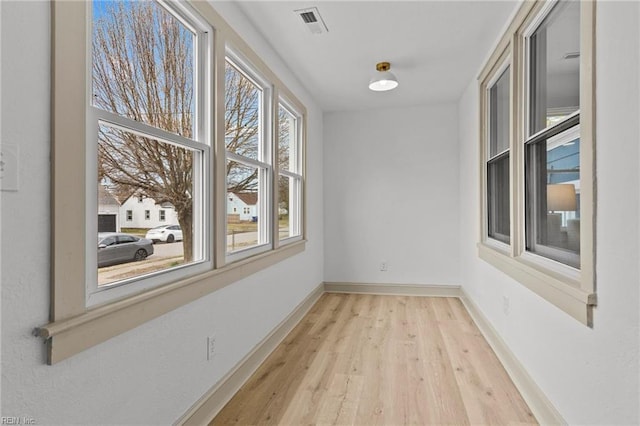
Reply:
x=131 y=166
x=243 y=100
x=289 y=206
x=284 y=207
x=143 y=65
x=553 y=198
x=555 y=67
x=287 y=140
x=243 y=221
x=498 y=199
x=499 y=115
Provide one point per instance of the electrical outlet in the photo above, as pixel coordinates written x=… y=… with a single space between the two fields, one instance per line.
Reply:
x=506 y=305
x=8 y=167
x=384 y=266
x=211 y=347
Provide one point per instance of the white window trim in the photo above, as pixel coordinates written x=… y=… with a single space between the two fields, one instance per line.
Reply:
x=295 y=168
x=201 y=143
x=504 y=63
x=570 y=289
x=74 y=325
x=264 y=162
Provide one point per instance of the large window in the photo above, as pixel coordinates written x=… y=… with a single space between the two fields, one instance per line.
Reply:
x=248 y=158
x=552 y=152
x=498 y=192
x=148 y=120
x=537 y=154
x=139 y=118
x=289 y=172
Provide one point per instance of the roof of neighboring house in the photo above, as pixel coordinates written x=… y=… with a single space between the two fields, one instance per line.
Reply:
x=105 y=198
x=249 y=198
x=164 y=205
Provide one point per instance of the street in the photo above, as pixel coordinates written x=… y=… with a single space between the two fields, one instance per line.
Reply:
x=168 y=255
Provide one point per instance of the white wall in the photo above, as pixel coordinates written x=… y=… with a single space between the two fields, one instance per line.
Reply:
x=391 y=194
x=154 y=373
x=590 y=375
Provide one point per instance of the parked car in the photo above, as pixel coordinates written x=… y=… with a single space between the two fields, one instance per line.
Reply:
x=115 y=247
x=165 y=233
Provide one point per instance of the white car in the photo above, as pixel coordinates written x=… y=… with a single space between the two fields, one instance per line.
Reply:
x=165 y=233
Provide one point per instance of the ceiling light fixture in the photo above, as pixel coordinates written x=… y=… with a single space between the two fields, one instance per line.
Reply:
x=384 y=79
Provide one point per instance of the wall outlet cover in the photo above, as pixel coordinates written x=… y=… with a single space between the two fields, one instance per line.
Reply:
x=9 y=155
x=211 y=347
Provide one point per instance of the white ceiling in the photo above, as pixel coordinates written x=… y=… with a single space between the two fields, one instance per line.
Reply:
x=435 y=47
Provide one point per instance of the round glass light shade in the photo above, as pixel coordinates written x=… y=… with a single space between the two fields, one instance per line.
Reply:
x=383 y=81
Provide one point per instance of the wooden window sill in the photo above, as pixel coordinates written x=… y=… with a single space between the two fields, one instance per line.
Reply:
x=70 y=336
x=562 y=290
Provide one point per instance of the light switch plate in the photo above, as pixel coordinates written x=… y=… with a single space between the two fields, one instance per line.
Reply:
x=9 y=167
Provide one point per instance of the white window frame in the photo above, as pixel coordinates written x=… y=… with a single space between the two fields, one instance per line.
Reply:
x=264 y=161
x=295 y=173
x=75 y=324
x=201 y=142
x=571 y=290
x=501 y=65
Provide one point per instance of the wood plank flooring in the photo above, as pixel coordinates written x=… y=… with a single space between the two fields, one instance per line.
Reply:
x=380 y=360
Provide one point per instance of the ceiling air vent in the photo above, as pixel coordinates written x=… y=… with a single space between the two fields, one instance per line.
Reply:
x=312 y=19
x=308 y=17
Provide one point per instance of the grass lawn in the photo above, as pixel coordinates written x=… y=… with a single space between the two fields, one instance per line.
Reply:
x=241 y=227
x=140 y=232
x=252 y=226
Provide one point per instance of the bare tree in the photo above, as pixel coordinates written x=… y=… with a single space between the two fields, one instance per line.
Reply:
x=143 y=70
x=284 y=135
x=242 y=120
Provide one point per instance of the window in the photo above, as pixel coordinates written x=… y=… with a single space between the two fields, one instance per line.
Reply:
x=151 y=132
x=552 y=196
x=125 y=239
x=552 y=151
x=248 y=155
x=109 y=241
x=554 y=67
x=289 y=172
x=537 y=154
x=134 y=112
x=498 y=191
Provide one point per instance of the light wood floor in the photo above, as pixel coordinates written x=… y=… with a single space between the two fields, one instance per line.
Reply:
x=380 y=360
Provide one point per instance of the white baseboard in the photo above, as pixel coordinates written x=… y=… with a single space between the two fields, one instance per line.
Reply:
x=541 y=407
x=203 y=411
x=393 y=289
